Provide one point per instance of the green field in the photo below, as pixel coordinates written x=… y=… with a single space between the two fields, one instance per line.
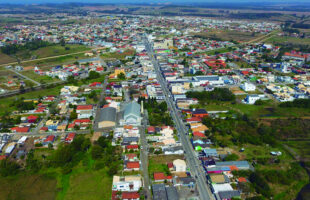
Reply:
x=6 y=59
x=159 y=163
x=59 y=50
x=27 y=186
x=287 y=40
x=116 y=55
x=6 y=102
x=66 y=59
x=41 y=79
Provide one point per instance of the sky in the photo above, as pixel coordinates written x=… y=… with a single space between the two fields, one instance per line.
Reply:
x=145 y=1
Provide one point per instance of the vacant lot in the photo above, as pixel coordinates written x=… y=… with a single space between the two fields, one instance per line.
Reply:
x=118 y=55
x=227 y=35
x=24 y=187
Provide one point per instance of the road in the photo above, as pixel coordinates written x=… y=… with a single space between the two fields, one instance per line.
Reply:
x=192 y=161
x=102 y=95
x=144 y=157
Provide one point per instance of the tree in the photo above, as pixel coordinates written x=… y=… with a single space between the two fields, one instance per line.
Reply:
x=73 y=115
x=93 y=75
x=121 y=76
x=232 y=157
x=96 y=152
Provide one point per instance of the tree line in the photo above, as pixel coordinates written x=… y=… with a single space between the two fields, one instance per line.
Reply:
x=31 y=45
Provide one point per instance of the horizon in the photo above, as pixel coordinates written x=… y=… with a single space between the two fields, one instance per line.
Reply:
x=24 y=2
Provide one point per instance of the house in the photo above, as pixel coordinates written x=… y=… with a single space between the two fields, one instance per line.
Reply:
x=84 y=111
x=49 y=140
x=95 y=84
x=132 y=147
x=241 y=165
x=131 y=157
x=132 y=114
x=179 y=165
x=151 y=130
x=199 y=113
x=226 y=195
x=210 y=152
x=251 y=99
x=161 y=177
x=133 y=166
x=20 y=129
x=70 y=137
x=175 y=150
x=107 y=117
x=221 y=187
x=184 y=181
x=32 y=118
x=130 y=196
x=126 y=183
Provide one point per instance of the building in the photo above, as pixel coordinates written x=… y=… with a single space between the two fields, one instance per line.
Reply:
x=248 y=87
x=126 y=183
x=132 y=114
x=107 y=117
x=251 y=99
x=179 y=165
x=159 y=192
x=84 y=111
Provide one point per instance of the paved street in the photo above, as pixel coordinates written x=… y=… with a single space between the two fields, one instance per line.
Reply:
x=144 y=157
x=193 y=162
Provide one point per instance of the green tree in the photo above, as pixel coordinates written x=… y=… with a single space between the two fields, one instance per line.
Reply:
x=121 y=76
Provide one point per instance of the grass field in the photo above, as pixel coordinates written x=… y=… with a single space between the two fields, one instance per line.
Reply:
x=286 y=40
x=46 y=79
x=6 y=59
x=26 y=186
x=116 y=55
x=6 y=102
x=55 y=61
x=59 y=50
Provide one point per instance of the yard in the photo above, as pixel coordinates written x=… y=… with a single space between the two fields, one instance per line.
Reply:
x=159 y=163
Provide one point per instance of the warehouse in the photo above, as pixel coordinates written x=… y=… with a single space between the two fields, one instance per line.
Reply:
x=107 y=118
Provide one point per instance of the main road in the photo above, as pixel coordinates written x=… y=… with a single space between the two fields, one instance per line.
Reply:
x=193 y=162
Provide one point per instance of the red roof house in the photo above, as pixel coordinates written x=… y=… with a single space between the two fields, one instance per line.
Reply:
x=70 y=137
x=20 y=129
x=133 y=165
x=160 y=176
x=32 y=118
x=130 y=195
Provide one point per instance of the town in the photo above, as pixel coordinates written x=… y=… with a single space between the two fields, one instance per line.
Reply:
x=152 y=107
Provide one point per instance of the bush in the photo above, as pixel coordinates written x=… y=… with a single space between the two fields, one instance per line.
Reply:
x=231 y=157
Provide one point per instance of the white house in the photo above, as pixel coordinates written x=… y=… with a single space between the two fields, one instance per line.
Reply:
x=179 y=165
x=248 y=87
x=251 y=99
x=127 y=183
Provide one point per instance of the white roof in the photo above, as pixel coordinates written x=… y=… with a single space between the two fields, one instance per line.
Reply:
x=22 y=140
x=222 y=187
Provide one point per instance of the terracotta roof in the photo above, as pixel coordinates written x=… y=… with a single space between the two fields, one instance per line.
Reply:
x=130 y=195
x=84 y=107
x=133 y=165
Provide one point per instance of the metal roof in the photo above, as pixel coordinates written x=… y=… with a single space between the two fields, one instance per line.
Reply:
x=107 y=114
x=132 y=108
